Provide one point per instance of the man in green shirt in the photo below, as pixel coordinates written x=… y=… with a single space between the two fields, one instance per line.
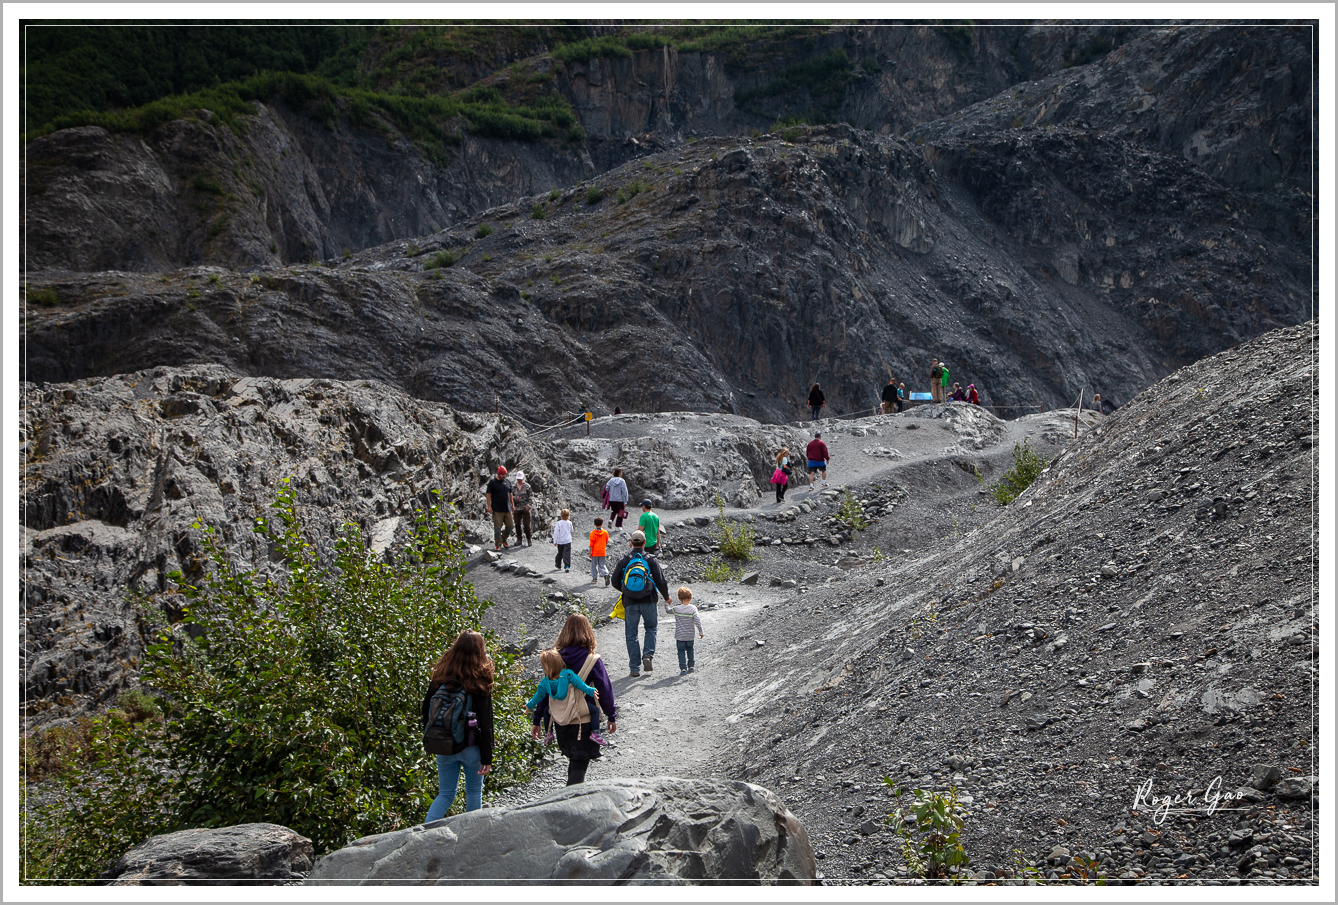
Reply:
x=650 y=526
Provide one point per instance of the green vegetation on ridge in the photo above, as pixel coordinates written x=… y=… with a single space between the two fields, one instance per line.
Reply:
x=293 y=700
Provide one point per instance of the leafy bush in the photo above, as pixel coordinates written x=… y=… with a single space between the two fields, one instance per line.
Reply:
x=537 y=211
x=1027 y=466
x=851 y=513
x=735 y=539
x=930 y=831
x=292 y=699
x=605 y=46
x=444 y=258
x=594 y=195
x=483 y=232
x=719 y=570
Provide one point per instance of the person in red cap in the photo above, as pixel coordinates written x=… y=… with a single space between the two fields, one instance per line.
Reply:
x=498 y=497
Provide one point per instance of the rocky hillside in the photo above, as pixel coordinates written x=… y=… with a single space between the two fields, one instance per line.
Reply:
x=1145 y=613
x=731 y=274
x=313 y=171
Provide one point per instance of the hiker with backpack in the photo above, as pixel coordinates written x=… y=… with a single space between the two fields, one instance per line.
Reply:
x=457 y=722
x=576 y=644
x=638 y=577
x=615 y=490
x=938 y=380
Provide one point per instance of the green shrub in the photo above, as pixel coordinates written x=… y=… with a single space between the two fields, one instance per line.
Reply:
x=444 y=258
x=483 y=232
x=207 y=184
x=293 y=699
x=413 y=251
x=735 y=538
x=594 y=195
x=851 y=513
x=537 y=212
x=930 y=831
x=719 y=570
x=1027 y=466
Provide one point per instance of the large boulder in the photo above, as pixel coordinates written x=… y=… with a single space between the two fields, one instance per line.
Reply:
x=661 y=830
x=249 y=852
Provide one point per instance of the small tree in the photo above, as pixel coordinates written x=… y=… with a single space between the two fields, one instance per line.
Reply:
x=292 y=699
x=851 y=513
x=930 y=831
x=735 y=538
x=1027 y=467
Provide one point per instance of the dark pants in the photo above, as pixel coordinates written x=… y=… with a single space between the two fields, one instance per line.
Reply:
x=617 y=512
x=576 y=768
x=685 y=655
x=816 y=411
x=523 y=525
x=653 y=548
x=563 y=556
x=780 y=492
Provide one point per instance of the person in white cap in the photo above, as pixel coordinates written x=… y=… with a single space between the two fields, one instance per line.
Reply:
x=520 y=499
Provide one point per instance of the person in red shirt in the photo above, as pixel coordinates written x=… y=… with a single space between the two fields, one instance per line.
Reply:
x=818 y=457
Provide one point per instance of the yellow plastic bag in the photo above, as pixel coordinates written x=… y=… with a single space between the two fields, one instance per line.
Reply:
x=618 y=612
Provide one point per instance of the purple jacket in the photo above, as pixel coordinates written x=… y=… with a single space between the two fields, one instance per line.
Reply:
x=574 y=657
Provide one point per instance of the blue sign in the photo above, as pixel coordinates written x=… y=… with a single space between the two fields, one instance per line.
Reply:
x=922 y=397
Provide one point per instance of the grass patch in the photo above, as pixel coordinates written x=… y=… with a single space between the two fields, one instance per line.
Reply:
x=46 y=297
x=718 y=570
x=483 y=232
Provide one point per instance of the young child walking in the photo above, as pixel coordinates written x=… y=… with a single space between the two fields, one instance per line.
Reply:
x=562 y=540
x=557 y=682
x=685 y=620
x=599 y=548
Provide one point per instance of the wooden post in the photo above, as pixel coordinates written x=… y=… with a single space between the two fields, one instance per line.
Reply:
x=1079 y=413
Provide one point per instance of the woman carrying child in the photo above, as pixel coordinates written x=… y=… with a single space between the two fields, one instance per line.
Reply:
x=466 y=663
x=575 y=643
x=558 y=680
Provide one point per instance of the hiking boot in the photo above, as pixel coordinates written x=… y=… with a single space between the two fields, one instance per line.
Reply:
x=606 y=581
x=505 y=545
x=646 y=662
x=635 y=674
x=497 y=549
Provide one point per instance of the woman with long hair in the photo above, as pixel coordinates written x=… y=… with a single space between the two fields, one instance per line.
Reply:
x=465 y=664
x=576 y=643
x=816 y=400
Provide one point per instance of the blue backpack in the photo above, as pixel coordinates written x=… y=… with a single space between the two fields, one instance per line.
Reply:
x=449 y=717
x=636 y=578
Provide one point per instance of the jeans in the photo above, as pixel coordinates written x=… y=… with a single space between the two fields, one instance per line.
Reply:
x=563 y=553
x=448 y=780
x=685 y=655
x=816 y=411
x=634 y=613
x=598 y=567
x=523 y=525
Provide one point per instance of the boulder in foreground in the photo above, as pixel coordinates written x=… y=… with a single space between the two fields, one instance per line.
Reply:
x=660 y=830
x=214 y=857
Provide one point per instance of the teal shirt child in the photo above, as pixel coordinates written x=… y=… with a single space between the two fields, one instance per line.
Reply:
x=557 y=688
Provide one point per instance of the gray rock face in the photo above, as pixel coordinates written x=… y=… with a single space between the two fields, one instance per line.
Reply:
x=115 y=472
x=660 y=830
x=251 y=852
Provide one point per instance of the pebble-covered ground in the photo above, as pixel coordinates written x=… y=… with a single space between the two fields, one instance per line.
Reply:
x=1143 y=618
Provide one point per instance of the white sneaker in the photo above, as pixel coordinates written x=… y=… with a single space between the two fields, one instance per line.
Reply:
x=824 y=483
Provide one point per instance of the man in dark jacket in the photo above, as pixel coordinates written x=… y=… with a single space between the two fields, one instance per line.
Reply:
x=498 y=497
x=642 y=604
x=890 y=397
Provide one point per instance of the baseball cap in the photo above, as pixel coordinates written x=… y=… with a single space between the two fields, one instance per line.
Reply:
x=638 y=538
x=647 y=503
x=520 y=476
x=818 y=434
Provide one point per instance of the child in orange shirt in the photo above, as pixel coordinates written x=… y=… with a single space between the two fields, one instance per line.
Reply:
x=599 y=546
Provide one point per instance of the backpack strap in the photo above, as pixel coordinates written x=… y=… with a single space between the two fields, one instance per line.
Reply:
x=589 y=664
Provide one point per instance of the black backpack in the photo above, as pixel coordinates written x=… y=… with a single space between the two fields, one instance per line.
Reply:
x=449 y=716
